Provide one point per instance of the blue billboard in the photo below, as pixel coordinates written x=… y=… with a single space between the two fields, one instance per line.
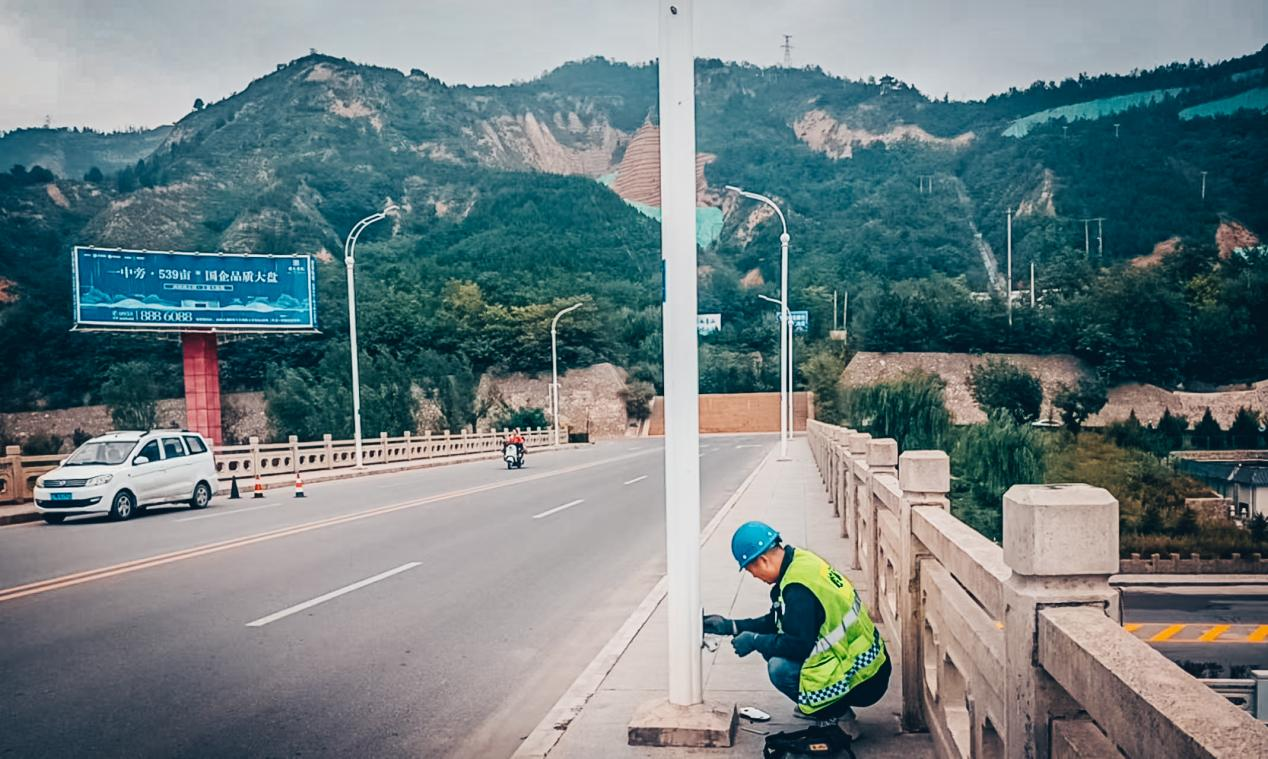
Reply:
x=133 y=289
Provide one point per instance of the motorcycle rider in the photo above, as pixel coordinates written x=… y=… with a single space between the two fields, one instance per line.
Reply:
x=516 y=439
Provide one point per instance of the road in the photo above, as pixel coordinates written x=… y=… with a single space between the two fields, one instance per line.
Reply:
x=432 y=613
x=1227 y=629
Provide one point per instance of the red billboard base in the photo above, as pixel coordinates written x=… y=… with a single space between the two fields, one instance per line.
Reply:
x=202 y=384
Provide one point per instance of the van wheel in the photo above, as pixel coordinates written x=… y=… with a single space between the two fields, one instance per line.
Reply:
x=202 y=496
x=54 y=518
x=124 y=506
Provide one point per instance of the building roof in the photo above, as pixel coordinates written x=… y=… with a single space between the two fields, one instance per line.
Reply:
x=1253 y=473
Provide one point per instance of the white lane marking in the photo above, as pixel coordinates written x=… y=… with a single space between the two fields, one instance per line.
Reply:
x=262 y=621
x=568 y=505
x=748 y=445
x=636 y=479
x=228 y=513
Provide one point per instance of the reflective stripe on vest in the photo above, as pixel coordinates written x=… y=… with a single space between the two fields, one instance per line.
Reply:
x=848 y=650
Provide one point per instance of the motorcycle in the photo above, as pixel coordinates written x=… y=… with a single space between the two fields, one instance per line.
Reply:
x=513 y=456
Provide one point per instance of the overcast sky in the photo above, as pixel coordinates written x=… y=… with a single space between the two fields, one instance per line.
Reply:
x=110 y=64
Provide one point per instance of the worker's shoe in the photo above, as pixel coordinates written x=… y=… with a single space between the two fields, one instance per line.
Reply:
x=847 y=721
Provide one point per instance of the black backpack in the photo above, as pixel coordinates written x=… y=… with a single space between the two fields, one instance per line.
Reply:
x=817 y=741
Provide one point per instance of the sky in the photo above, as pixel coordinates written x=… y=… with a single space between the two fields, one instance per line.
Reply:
x=114 y=64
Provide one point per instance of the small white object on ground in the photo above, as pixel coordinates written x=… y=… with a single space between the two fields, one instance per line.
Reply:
x=753 y=713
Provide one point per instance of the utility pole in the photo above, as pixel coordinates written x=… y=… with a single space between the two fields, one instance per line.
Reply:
x=1204 y=185
x=681 y=368
x=787 y=46
x=834 y=309
x=1116 y=131
x=1064 y=131
x=1009 y=291
x=926 y=183
x=1100 y=241
x=1032 y=284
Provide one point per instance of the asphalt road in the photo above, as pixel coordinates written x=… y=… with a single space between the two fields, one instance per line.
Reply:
x=1201 y=624
x=431 y=613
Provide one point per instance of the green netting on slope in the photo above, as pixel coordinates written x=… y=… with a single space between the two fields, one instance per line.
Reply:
x=1255 y=100
x=708 y=221
x=1092 y=109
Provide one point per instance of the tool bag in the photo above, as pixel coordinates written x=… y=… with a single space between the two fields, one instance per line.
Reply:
x=817 y=741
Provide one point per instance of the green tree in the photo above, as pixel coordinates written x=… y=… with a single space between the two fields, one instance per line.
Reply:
x=1244 y=431
x=198 y=104
x=94 y=175
x=991 y=458
x=42 y=444
x=524 y=418
x=1258 y=526
x=638 y=396
x=1187 y=522
x=1080 y=402
x=1172 y=428
x=911 y=409
x=822 y=375
x=1207 y=433
x=131 y=392
x=1000 y=386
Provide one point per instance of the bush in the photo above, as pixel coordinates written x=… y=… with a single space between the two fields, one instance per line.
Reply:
x=990 y=458
x=910 y=409
x=79 y=437
x=1244 y=431
x=822 y=375
x=999 y=386
x=42 y=444
x=131 y=390
x=1207 y=433
x=638 y=396
x=1080 y=402
x=524 y=418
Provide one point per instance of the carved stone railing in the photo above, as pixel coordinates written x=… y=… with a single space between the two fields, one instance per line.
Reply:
x=1013 y=651
x=18 y=473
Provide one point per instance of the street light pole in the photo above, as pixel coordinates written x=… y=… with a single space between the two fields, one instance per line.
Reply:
x=1009 y=294
x=785 y=334
x=554 y=372
x=349 y=248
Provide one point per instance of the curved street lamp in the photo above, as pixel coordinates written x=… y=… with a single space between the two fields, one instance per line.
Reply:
x=785 y=334
x=554 y=372
x=349 y=246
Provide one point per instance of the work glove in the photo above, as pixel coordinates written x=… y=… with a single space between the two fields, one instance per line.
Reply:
x=716 y=624
x=744 y=644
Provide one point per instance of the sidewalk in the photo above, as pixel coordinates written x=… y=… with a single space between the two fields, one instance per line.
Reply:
x=790 y=496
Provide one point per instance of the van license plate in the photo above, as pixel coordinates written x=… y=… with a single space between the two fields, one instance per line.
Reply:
x=61 y=496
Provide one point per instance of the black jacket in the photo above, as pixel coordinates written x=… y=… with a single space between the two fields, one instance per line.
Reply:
x=802 y=617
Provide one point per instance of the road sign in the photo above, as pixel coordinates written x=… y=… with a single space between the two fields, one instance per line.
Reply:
x=707 y=324
x=225 y=292
x=800 y=320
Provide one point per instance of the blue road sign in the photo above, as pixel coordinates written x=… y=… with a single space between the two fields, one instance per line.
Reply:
x=132 y=289
x=800 y=320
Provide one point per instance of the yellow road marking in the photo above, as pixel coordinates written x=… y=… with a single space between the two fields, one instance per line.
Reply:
x=1213 y=634
x=1132 y=627
x=1258 y=636
x=101 y=573
x=1166 y=634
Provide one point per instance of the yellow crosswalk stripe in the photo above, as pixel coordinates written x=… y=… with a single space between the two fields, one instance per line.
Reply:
x=1132 y=627
x=1166 y=634
x=1213 y=634
x=1259 y=635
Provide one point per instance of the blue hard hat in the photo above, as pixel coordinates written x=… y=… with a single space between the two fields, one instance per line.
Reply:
x=752 y=539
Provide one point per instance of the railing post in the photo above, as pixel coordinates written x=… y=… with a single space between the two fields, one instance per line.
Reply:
x=1261 y=694
x=882 y=458
x=383 y=447
x=13 y=453
x=294 y=442
x=409 y=450
x=1061 y=541
x=853 y=489
x=254 y=440
x=925 y=479
x=329 y=445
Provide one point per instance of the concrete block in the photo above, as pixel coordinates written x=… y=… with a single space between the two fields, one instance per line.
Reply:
x=660 y=723
x=924 y=472
x=858 y=442
x=882 y=452
x=1055 y=530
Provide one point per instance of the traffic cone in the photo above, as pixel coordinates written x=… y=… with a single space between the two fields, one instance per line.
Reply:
x=259 y=487
x=233 y=489
x=299 y=486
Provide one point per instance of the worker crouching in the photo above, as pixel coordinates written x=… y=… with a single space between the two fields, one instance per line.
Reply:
x=821 y=648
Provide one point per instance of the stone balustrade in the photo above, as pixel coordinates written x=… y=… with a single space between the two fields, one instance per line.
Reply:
x=18 y=473
x=1015 y=650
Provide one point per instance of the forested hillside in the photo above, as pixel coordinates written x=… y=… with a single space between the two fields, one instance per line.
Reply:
x=505 y=218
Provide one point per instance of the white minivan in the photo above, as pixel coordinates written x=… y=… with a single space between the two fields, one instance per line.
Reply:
x=122 y=472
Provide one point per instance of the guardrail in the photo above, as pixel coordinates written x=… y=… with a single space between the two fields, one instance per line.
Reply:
x=1013 y=651
x=18 y=473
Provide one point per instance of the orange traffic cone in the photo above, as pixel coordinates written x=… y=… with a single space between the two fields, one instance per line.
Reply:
x=299 y=486
x=259 y=487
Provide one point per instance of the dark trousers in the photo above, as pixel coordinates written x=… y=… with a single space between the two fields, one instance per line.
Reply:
x=785 y=675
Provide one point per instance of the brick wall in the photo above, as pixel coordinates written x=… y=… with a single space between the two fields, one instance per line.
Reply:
x=739 y=412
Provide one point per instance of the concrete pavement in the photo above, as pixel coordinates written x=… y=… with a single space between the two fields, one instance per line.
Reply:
x=436 y=612
x=790 y=496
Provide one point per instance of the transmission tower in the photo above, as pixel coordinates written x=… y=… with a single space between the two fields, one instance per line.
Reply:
x=787 y=46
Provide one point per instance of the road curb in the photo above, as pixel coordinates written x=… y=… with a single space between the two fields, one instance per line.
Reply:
x=545 y=736
x=19 y=517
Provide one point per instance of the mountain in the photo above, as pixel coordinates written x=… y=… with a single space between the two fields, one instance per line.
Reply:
x=547 y=191
x=72 y=153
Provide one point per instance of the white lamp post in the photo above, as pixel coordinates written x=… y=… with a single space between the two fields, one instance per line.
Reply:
x=349 y=246
x=554 y=372
x=785 y=417
x=785 y=334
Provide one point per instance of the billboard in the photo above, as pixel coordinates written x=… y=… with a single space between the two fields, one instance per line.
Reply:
x=707 y=324
x=133 y=289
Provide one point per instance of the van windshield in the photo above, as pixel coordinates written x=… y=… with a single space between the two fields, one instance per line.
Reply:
x=101 y=452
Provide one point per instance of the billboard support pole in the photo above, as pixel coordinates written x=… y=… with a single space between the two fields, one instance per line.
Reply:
x=202 y=384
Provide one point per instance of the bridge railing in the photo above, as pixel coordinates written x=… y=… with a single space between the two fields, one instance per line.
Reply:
x=18 y=473
x=1013 y=651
